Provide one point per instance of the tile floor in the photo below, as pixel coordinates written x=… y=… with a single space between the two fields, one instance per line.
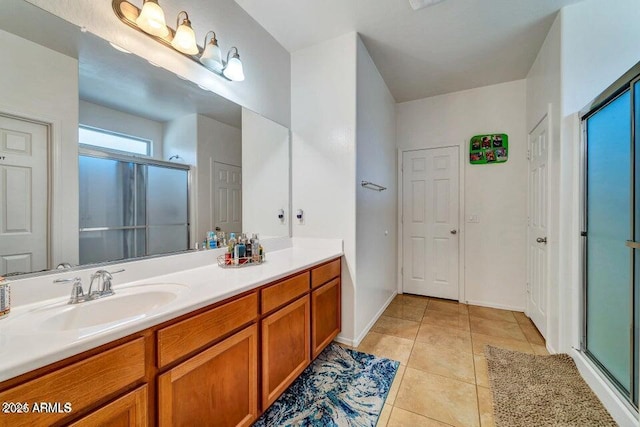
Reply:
x=442 y=379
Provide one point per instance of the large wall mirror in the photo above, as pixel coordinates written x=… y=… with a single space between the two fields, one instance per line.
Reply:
x=106 y=157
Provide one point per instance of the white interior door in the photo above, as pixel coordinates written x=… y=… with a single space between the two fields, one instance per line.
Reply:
x=537 y=226
x=227 y=197
x=23 y=193
x=430 y=205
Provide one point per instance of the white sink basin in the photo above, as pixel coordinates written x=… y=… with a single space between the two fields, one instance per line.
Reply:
x=127 y=305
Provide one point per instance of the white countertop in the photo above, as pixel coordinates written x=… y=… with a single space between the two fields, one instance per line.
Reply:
x=26 y=345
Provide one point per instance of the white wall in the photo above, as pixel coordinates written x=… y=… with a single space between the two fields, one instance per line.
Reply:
x=102 y=117
x=544 y=98
x=265 y=175
x=376 y=212
x=217 y=142
x=49 y=95
x=323 y=125
x=495 y=247
x=266 y=63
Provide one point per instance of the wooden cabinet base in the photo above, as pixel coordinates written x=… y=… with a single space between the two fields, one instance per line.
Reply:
x=325 y=322
x=127 y=411
x=285 y=348
x=217 y=387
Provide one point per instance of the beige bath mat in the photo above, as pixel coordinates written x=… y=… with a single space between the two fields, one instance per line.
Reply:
x=531 y=390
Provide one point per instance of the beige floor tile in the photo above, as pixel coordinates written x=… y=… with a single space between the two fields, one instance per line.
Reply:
x=491 y=313
x=482 y=372
x=496 y=328
x=452 y=338
x=413 y=300
x=446 y=320
x=520 y=317
x=480 y=340
x=485 y=405
x=384 y=416
x=540 y=350
x=403 y=311
x=388 y=346
x=443 y=361
x=532 y=333
x=448 y=306
x=395 y=386
x=401 y=418
x=397 y=327
x=440 y=398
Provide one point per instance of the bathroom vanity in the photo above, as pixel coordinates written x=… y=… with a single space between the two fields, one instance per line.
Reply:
x=221 y=363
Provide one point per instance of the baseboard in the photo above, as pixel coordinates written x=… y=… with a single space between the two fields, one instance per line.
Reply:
x=620 y=410
x=343 y=340
x=499 y=306
x=359 y=338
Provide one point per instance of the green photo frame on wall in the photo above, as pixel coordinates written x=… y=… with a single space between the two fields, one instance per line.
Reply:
x=489 y=148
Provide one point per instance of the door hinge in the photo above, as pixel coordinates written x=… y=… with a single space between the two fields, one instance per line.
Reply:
x=528 y=154
x=528 y=287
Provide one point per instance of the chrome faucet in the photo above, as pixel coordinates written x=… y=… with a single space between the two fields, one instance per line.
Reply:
x=104 y=286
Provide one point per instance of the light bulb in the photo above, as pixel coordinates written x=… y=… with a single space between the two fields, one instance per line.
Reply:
x=151 y=19
x=233 y=70
x=212 y=55
x=185 y=39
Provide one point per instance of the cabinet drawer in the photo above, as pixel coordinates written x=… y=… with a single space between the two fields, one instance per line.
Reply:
x=191 y=334
x=324 y=273
x=285 y=291
x=81 y=384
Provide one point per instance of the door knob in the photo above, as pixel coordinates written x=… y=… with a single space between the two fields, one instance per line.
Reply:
x=541 y=240
x=454 y=231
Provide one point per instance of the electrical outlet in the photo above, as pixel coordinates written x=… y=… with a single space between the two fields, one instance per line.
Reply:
x=473 y=219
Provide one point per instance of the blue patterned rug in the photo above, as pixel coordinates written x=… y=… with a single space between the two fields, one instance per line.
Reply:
x=341 y=388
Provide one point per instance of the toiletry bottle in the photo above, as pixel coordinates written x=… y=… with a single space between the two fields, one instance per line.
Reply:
x=242 y=251
x=5 y=297
x=255 y=250
x=232 y=247
x=249 y=250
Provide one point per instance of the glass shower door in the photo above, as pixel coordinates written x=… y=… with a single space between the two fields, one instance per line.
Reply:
x=609 y=275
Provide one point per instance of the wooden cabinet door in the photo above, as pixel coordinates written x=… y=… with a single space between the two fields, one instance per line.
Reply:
x=217 y=387
x=285 y=348
x=127 y=411
x=325 y=324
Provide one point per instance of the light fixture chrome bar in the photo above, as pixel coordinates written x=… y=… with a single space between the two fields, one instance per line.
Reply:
x=128 y=13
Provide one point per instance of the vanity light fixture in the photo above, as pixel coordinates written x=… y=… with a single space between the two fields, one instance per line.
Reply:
x=150 y=20
x=233 y=70
x=185 y=38
x=212 y=55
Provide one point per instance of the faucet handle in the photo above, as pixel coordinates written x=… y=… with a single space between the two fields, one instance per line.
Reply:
x=77 y=293
x=105 y=277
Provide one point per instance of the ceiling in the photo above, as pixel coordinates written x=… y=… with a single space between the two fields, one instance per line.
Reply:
x=451 y=46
